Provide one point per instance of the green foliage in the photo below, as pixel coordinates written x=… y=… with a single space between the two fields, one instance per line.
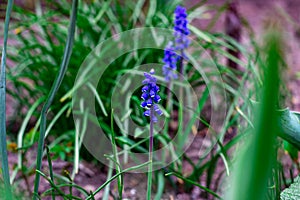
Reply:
x=16 y=194
x=38 y=53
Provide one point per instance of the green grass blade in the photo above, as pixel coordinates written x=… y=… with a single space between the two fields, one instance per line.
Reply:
x=76 y=151
x=102 y=11
x=60 y=192
x=94 y=90
x=80 y=189
x=193 y=119
x=23 y=127
x=151 y=12
x=115 y=176
x=194 y=183
x=107 y=188
x=57 y=82
x=3 y=150
x=57 y=116
x=160 y=186
x=50 y=170
x=116 y=157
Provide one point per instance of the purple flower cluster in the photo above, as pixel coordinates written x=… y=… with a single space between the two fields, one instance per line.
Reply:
x=150 y=96
x=181 y=30
x=182 y=41
x=170 y=59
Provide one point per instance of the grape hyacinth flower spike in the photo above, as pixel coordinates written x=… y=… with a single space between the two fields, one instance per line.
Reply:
x=181 y=30
x=150 y=96
x=170 y=59
x=182 y=41
x=150 y=100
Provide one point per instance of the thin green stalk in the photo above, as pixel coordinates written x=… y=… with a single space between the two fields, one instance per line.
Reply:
x=76 y=150
x=169 y=109
x=3 y=150
x=60 y=192
x=181 y=98
x=160 y=185
x=126 y=130
x=107 y=188
x=50 y=170
x=54 y=89
x=194 y=183
x=92 y=195
x=79 y=189
x=38 y=7
x=169 y=96
x=23 y=129
x=150 y=154
x=115 y=152
x=115 y=176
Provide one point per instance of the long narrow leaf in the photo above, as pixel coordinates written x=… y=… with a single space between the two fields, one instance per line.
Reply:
x=57 y=82
x=3 y=150
x=194 y=183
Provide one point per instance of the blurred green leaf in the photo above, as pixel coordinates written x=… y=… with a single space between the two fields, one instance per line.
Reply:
x=289 y=126
x=292 y=151
x=200 y=34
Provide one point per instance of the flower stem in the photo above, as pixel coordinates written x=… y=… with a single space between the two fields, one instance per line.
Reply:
x=169 y=97
x=150 y=154
x=181 y=68
x=180 y=110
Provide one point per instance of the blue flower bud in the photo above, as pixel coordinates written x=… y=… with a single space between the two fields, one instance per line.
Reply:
x=157 y=110
x=145 y=88
x=157 y=98
x=147 y=113
x=144 y=104
x=149 y=103
x=152 y=93
x=144 y=96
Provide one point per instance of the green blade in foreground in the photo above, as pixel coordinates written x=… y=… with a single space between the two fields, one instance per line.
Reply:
x=3 y=150
x=254 y=165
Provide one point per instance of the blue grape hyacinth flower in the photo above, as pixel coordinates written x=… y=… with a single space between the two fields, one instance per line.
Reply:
x=181 y=30
x=150 y=96
x=170 y=59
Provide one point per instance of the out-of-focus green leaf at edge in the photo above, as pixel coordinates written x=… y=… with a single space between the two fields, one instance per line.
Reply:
x=253 y=168
x=293 y=192
x=291 y=150
x=289 y=126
